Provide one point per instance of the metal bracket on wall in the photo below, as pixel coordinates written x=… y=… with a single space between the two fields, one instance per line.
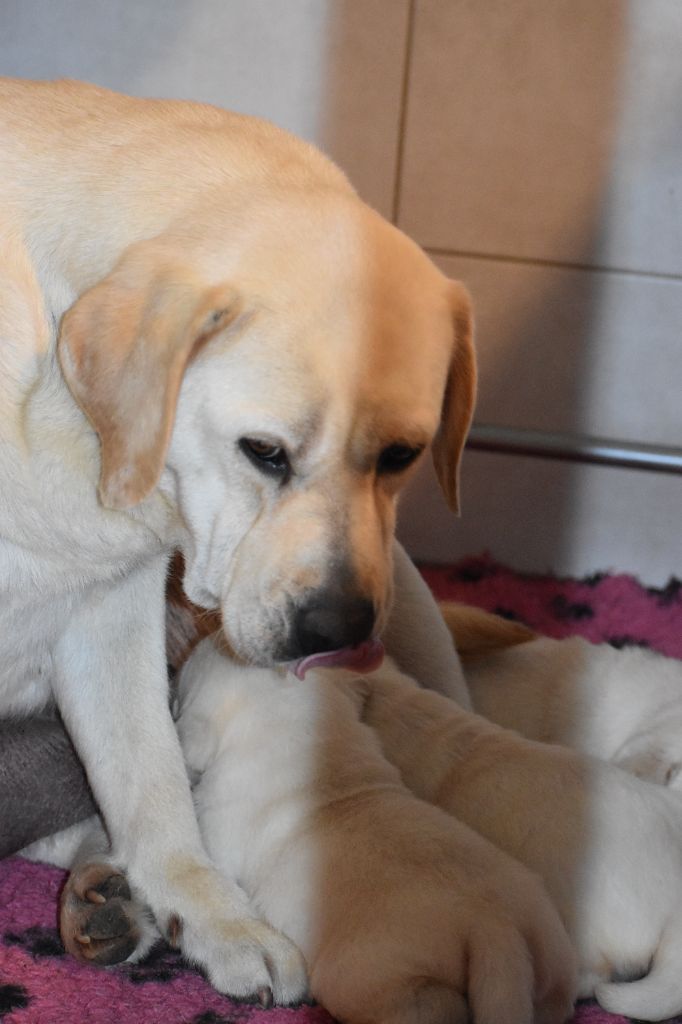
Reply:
x=575 y=448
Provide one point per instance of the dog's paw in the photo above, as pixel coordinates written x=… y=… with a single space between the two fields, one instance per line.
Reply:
x=100 y=921
x=216 y=928
x=247 y=959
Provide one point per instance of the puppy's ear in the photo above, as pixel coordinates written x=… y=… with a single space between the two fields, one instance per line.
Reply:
x=459 y=398
x=123 y=349
x=477 y=632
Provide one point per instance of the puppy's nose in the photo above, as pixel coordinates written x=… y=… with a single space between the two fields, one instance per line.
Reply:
x=331 y=622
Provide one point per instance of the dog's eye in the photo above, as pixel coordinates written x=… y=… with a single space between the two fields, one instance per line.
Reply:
x=397 y=457
x=267 y=457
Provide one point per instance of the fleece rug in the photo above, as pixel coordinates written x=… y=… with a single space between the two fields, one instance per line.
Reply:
x=39 y=984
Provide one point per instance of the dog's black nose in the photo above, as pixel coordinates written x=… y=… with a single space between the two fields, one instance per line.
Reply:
x=332 y=621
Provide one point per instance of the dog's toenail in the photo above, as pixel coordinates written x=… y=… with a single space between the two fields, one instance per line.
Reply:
x=174 y=931
x=265 y=997
x=95 y=897
x=84 y=940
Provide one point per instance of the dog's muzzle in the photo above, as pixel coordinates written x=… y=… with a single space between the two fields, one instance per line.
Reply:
x=332 y=621
x=334 y=630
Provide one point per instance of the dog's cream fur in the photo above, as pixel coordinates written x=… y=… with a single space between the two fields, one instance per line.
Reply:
x=403 y=913
x=174 y=279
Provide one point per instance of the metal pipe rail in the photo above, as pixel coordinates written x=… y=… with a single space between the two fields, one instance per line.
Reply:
x=575 y=448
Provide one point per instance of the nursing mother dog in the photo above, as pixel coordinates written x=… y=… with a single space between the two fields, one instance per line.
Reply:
x=208 y=343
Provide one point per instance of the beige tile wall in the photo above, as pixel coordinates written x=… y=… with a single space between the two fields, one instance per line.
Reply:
x=534 y=148
x=547 y=130
x=542 y=163
x=568 y=349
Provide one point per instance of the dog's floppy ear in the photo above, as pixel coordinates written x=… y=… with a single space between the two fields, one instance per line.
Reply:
x=123 y=349
x=459 y=398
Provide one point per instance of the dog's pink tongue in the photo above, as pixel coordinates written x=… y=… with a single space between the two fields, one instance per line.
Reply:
x=363 y=658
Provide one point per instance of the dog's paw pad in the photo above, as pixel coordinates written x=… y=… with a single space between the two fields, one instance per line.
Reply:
x=99 y=918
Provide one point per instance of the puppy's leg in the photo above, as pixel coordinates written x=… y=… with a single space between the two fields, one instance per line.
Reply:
x=112 y=691
x=62 y=848
x=417 y=637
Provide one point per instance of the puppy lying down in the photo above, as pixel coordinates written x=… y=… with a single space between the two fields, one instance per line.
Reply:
x=623 y=706
x=607 y=844
x=398 y=909
x=404 y=915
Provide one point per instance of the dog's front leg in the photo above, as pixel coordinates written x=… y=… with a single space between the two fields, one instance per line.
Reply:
x=417 y=637
x=111 y=686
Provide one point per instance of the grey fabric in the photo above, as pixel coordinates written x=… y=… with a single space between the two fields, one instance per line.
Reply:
x=43 y=787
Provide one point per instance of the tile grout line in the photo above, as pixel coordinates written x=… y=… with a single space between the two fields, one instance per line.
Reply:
x=402 y=117
x=552 y=264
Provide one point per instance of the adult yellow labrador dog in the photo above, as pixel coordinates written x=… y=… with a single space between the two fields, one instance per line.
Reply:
x=207 y=343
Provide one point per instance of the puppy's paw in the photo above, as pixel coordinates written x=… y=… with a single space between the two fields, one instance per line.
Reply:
x=520 y=977
x=651 y=761
x=521 y=964
x=100 y=921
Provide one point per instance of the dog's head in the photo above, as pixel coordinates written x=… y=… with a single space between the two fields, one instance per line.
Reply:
x=280 y=397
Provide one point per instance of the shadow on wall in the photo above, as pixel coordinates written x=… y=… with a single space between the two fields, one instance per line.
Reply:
x=523 y=510
x=520 y=133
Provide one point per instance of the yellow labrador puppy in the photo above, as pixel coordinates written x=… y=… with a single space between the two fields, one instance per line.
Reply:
x=623 y=706
x=207 y=342
x=607 y=845
x=403 y=914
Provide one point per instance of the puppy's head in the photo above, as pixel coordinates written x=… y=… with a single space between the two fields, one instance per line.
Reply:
x=280 y=397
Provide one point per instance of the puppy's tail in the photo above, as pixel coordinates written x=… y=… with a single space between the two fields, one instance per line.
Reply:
x=658 y=995
x=477 y=632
